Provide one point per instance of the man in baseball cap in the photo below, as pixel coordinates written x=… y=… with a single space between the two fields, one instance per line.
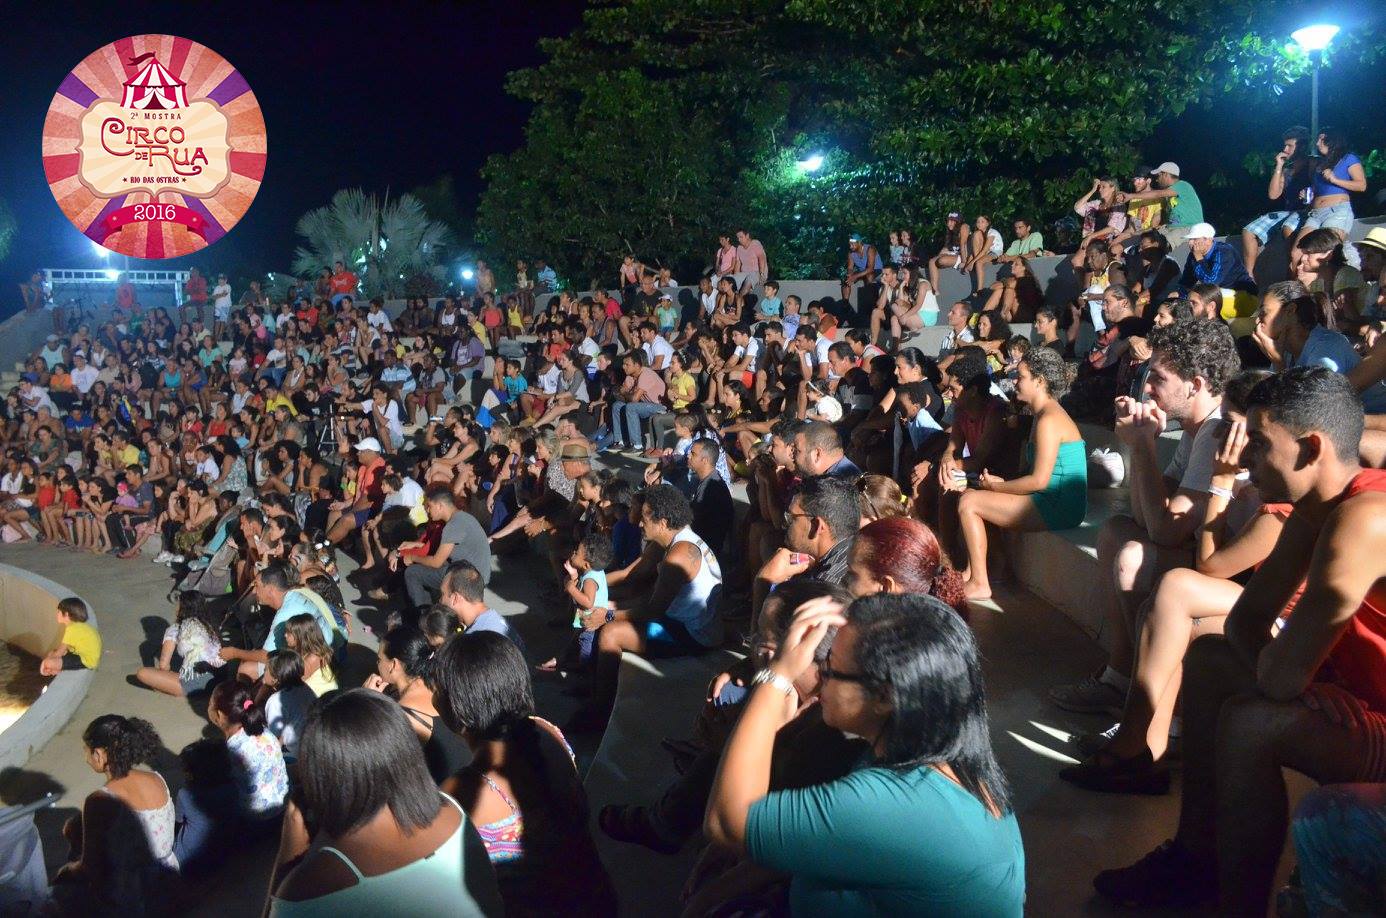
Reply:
x=370 y=495
x=1212 y=261
x=1185 y=209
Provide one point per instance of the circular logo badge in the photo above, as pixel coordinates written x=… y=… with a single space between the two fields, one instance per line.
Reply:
x=154 y=146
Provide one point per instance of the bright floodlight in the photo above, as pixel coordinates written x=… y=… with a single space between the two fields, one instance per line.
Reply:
x=468 y=274
x=812 y=164
x=101 y=250
x=1314 y=37
x=112 y=274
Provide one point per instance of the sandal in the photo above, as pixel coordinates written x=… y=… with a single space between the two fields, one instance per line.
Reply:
x=632 y=824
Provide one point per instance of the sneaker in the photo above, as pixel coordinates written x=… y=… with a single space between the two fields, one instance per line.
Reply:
x=162 y=557
x=1109 y=774
x=176 y=559
x=198 y=564
x=1090 y=744
x=1168 y=877
x=1091 y=696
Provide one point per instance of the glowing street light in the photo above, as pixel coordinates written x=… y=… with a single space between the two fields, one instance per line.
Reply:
x=112 y=274
x=812 y=164
x=468 y=274
x=1314 y=39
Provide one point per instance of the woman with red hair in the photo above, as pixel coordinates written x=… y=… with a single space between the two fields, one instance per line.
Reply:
x=900 y=554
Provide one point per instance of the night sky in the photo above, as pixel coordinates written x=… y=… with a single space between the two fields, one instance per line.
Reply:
x=371 y=94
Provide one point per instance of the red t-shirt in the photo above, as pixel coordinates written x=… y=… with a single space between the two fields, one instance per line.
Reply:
x=344 y=282
x=1358 y=661
x=369 y=483
x=197 y=289
x=45 y=496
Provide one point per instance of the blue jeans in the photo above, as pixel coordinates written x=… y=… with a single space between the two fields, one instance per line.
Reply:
x=626 y=418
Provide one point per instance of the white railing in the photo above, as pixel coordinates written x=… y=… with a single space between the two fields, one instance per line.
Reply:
x=109 y=275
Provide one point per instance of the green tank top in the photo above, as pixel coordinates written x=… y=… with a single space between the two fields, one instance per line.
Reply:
x=432 y=885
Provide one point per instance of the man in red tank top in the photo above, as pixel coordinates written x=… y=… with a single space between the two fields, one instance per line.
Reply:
x=1311 y=697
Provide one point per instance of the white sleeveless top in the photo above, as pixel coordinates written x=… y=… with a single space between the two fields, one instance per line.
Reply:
x=695 y=606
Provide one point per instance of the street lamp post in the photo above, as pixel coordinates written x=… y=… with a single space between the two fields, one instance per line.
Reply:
x=1314 y=39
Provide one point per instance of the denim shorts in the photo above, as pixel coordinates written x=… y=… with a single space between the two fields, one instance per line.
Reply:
x=1338 y=217
x=1266 y=224
x=197 y=683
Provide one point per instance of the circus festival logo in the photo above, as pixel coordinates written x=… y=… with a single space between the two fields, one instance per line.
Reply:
x=154 y=146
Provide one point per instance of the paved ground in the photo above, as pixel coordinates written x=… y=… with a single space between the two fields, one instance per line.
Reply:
x=1069 y=834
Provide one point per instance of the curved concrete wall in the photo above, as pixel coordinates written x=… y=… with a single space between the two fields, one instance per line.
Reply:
x=27 y=619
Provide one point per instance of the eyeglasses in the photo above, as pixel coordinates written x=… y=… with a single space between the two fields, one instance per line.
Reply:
x=826 y=672
x=789 y=517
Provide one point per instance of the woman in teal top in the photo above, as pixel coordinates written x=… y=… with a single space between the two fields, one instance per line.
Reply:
x=384 y=840
x=1052 y=495
x=925 y=827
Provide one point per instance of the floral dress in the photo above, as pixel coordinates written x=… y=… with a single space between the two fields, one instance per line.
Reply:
x=260 y=772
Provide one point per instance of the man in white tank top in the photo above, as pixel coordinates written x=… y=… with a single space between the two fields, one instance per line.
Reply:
x=671 y=609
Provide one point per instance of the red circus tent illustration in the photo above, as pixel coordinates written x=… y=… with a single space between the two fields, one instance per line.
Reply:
x=154 y=87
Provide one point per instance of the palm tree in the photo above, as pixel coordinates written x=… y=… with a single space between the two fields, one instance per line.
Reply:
x=384 y=242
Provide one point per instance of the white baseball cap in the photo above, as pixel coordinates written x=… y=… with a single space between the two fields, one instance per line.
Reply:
x=370 y=444
x=1171 y=168
x=1201 y=231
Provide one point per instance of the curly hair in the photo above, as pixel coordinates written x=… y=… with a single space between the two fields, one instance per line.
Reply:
x=1045 y=364
x=668 y=505
x=1198 y=349
x=127 y=741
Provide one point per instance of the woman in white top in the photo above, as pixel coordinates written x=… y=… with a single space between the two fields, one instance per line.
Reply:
x=195 y=640
x=122 y=843
x=985 y=247
x=385 y=841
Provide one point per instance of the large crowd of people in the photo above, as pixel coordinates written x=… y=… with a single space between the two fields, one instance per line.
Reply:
x=606 y=432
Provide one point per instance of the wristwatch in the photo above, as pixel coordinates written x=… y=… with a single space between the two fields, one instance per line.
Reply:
x=769 y=677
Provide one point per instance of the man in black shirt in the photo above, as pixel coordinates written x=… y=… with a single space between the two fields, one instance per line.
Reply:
x=712 y=500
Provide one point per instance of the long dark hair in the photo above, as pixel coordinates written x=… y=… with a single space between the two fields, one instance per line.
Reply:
x=1337 y=143
x=919 y=654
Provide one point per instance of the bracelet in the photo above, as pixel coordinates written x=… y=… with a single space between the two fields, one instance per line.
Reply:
x=1224 y=493
x=610 y=615
x=769 y=677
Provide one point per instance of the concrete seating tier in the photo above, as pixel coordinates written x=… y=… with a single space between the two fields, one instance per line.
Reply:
x=1061 y=567
x=655 y=699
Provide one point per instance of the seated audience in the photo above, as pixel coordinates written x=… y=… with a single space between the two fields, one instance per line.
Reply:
x=1053 y=494
x=372 y=833
x=121 y=844
x=906 y=671
x=1189 y=367
x=521 y=791
x=1309 y=696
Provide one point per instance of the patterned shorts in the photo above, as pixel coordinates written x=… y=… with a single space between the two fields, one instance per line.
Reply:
x=1266 y=224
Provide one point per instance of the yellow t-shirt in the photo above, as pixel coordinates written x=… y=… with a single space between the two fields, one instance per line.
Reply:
x=85 y=641
x=682 y=390
x=278 y=400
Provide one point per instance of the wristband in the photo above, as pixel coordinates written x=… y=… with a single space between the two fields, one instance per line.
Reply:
x=610 y=615
x=769 y=677
x=1224 y=493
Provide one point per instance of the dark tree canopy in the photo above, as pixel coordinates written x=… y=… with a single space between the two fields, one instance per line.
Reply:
x=659 y=123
